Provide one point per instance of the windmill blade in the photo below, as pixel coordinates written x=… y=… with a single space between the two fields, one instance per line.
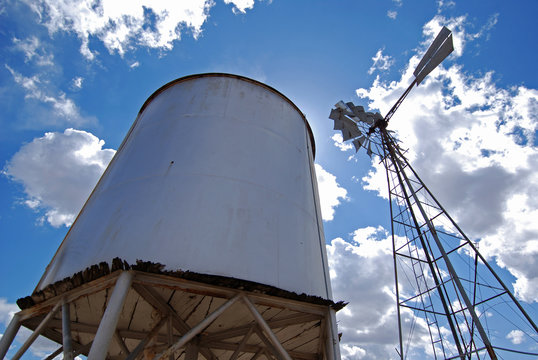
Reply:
x=338 y=117
x=369 y=150
x=359 y=142
x=350 y=130
x=344 y=108
x=440 y=48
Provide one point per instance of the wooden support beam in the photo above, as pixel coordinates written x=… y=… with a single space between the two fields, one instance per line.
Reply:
x=191 y=351
x=222 y=292
x=155 y=300
x=142 y=344
x=266 y=329
x=269 y=347
x=242 y=344
x=198 y=328
x=257 y=354
x=83 y=290
x=121 y=343
x=293 y=319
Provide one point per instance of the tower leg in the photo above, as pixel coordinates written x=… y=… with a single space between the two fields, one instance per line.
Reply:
x=9 y=335
x=108 y=323
x=66 y=332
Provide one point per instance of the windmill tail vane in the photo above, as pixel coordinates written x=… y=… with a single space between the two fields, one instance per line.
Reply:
x=440 y=277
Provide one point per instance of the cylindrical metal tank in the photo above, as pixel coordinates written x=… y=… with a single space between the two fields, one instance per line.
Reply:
x=215 y=176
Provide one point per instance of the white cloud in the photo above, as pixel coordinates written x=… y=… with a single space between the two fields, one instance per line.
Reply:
x=58 y=172
x=241 y=5
x=330 y=192
x=474 y=145
x=77 y=82
x=122 y=26
x=7 y=310
x=134 y=65
x=381 y=62
x=516 y=336
x=339 y=142
x=33 y=49
x=392 y=14
x=64 y=110
x=362 y=274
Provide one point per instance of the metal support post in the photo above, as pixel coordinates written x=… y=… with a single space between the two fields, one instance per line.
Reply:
x=333 y=346
x=66 y=332
x=37 y=332
x=9 y=335
x=107 y=326
x=448 y=263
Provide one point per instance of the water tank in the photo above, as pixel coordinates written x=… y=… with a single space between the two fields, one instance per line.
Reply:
x=216 y=177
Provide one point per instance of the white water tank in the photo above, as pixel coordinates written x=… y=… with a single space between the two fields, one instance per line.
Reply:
x=216 y=177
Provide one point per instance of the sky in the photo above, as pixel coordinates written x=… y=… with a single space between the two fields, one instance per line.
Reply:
x=74 y=74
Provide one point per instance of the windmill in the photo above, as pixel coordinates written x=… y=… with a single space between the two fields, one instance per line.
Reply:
x=446 y=291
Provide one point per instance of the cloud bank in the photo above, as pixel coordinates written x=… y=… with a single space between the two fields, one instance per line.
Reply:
x=475 y=146
x=58 y=172
x=122 y=26
x=330 y=192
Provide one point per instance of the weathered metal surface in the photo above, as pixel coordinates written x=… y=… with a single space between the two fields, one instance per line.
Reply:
x=214 y=177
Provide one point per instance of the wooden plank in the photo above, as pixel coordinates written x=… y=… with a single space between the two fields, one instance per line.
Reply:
x=274 y=324
x=155 y=300
x=70 y=296
x=142 y=344
x=222 y=292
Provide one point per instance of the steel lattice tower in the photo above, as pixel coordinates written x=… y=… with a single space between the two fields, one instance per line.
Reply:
x=446 y=291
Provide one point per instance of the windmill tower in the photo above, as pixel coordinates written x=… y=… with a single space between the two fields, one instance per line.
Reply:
x=446 y=291
x=202 y=239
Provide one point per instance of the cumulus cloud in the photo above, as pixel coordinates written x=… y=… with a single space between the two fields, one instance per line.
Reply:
x=362 y=274
x=381 y=62
x=124 y=26
x=58 y=172
x=240 y=5
x=339 y=142
x=330 y=192
x=33 y=51
x=474 y=144
x=516 y=336
x=64 y=110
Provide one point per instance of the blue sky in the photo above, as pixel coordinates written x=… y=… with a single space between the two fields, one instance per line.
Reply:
x=76 y=80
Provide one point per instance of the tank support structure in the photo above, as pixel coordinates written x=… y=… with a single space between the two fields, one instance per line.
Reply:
x=132 y=314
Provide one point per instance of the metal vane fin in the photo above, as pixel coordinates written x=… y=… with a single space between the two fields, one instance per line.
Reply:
x=358 y=142
x=440 y=48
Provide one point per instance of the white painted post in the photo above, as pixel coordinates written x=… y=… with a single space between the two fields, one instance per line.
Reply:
x=108 y=323
x=9 y=335
x=66 y=332
x=36 y=332
x=333 y=343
